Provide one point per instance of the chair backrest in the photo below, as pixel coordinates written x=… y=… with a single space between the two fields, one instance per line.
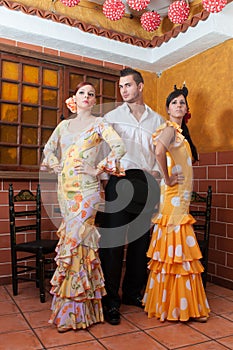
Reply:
x=203 y=212
x=22 y=197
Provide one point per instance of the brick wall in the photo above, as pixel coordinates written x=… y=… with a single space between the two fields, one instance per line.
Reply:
x=49 y=223
x=216 y=169
x=59 y=53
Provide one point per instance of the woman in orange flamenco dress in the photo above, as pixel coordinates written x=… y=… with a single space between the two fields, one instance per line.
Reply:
x=174 y=289
x=78 y=282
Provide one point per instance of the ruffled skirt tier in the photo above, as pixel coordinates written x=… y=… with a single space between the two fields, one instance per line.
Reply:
x=78 y=282
x=174 y=290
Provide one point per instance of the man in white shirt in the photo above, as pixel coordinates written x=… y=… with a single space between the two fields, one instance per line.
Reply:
x=130 y=200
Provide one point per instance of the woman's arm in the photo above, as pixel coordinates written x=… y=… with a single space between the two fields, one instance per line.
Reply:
x=111 y=163
x=164 y=141
x=51 y=153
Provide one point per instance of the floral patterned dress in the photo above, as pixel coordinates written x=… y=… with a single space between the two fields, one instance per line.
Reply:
x=174 y=289
x=78 y=283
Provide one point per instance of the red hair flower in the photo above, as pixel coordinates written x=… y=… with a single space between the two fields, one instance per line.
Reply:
x=71 y=104
x=187 y=116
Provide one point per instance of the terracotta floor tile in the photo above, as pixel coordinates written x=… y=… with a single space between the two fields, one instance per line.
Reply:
x=131 y=341
x=32 y=304
x=20 y=341
x=220 y=305
x=168 y=336
x=228 y=341
x=141 y=320
x=229 y=298
x=211 y=295
x=215 y=327
x=106 y=330
x=27 y=290
x=13 y=322
x=210 y=345
x=229 y=315
x=124 y=309
x=50 y=337
x=135 y=332
x=8 y=307
x=220 y=291
x=4 y=295
x=82 y=346
x=38 y=318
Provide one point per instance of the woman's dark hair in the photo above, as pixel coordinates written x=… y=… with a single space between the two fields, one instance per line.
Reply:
x=82 y=84
x=185 y=130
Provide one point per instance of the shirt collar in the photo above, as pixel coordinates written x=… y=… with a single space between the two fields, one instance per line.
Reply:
x=145 y=114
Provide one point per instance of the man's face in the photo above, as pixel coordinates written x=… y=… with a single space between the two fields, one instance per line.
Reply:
x=129 y=90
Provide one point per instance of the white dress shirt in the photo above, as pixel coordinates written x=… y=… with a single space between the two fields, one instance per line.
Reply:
x=137 y=136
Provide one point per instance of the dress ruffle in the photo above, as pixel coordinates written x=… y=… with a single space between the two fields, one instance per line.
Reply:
x=179 y=136
x=77 y=290
x=175 y=297
x=174 y=290
x=78 y=282
x=165 y=220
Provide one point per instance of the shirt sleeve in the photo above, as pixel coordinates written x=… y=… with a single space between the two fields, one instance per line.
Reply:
x=111 y=163
x=52 y=151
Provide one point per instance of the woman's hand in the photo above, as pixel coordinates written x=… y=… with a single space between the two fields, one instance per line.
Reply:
x=83 y=167
x=57 y=169
x=174 y=179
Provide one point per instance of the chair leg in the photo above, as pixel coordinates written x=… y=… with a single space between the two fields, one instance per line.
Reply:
x=37 y=272
x=14 y=275
x=41 y=278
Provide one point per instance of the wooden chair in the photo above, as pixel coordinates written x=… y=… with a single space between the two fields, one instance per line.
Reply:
x=201 y=210
x=29 y=253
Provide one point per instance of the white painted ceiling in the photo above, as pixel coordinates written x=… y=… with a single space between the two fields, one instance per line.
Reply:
x=25 y=28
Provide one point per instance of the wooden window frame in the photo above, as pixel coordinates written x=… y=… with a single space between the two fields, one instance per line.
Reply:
x=67 y=65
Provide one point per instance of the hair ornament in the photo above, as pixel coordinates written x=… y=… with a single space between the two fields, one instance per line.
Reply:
x=187 y=116
x=71 y=104
x=183 y=89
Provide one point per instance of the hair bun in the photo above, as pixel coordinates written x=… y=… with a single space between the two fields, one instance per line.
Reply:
x=185 y=90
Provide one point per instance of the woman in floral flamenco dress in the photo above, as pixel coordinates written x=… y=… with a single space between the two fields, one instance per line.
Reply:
x=78 y=283
x=174 y=289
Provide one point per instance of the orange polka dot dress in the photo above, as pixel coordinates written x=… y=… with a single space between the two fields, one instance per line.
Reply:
x=174 y=289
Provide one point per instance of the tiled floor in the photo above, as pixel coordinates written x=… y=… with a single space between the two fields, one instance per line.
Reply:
x=23 y=326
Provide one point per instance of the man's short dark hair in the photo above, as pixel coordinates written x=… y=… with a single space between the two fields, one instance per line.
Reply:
x=136 y=75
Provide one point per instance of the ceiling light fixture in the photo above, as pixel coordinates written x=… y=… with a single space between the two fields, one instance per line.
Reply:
x=150 y=21
x=138 y=5
x=113 y=9
x=214 y=5
x=70 y=3
x=178 y=11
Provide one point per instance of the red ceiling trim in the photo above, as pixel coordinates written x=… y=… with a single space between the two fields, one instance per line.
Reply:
x=125 y=38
